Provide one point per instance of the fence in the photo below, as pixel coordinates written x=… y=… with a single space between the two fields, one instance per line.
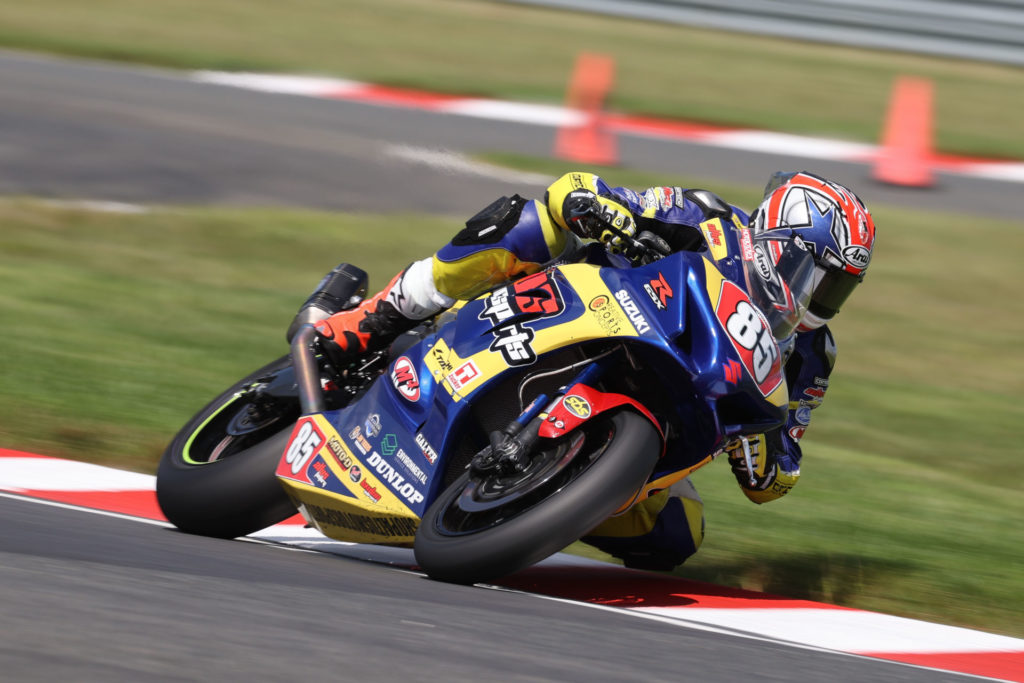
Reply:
x=986 y=30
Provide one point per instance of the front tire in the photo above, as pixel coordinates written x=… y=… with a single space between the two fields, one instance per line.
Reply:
x=216 y=477
x=482 y=528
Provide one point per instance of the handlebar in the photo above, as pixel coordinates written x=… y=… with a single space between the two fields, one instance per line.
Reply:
x=307 y=372
x=633 y=248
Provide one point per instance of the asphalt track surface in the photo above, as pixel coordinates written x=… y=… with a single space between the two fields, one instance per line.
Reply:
x=88 y=597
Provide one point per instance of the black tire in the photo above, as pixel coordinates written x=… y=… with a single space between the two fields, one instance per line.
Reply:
x=235 y=493
x=462 y=546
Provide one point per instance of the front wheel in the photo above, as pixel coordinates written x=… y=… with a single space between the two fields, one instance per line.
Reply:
x=216 y=478
x=485 y=527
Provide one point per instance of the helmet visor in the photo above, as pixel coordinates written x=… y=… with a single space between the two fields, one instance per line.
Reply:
x=831 y=291
x=780 y=280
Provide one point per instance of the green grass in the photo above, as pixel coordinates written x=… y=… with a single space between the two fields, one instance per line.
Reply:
x=117 y=327
x=501 y=50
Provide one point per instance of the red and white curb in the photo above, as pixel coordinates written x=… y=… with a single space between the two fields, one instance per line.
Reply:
x=668 y=599
x=554 y=116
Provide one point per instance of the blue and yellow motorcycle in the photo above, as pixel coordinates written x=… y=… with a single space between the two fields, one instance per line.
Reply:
x=511 y=425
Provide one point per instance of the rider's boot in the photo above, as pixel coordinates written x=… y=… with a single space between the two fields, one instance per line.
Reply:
x=377 y=321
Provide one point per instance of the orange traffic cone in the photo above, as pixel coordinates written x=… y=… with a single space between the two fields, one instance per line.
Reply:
x=906 y=153
x=590 y=141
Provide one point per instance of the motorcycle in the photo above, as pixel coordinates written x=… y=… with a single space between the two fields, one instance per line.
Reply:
x=506 y=428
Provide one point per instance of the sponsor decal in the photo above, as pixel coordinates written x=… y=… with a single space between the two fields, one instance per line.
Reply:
x=680 y=198
x=633 y=311
x=797 y=433
x=304 y=445
x=319 y=472
x=440 y=355
x=746 y=245
x=372 y=425
x=389 y=444
x=803 y=415
x=362 y=445
x=713 y=233
x=334 y=444
x=608 y=316
x=411 y=467
x=857 y=256
x=659 y=291
x=815 y=392
x=666 y=198
x=381 y=526
x=750 y=336
x=428 y=451
x=403 y=376
x=463 y=375
x=514 y=342
x=396 y=481
x=533 y=297
x=650 y=200
x=577 y=405
x=355 y=474
x=733 y=371
x=371 y=491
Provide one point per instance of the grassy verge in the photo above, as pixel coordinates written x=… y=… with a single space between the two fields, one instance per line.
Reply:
x=494 y=49
x=117 y=327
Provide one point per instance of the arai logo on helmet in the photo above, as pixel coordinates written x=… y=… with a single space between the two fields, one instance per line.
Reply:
x=857 y=256
x=763 y=263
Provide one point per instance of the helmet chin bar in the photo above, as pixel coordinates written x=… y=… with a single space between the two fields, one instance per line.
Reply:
x=811 y=322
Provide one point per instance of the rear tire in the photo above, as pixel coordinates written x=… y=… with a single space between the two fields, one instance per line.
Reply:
x=471 y=534
x=213 y=483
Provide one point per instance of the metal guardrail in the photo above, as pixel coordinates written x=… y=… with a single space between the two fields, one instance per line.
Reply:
x=985 y=30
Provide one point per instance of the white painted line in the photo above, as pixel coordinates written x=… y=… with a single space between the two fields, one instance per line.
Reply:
x=456 y=164
x=288 y=85
x=49 y=474
x=845 y=629
x=519 y=112
x=97 y=205
x=1007 y=172
x=793 y=145
x=93 y=511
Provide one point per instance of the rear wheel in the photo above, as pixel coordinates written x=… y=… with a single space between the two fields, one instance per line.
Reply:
x=216 y=478
x=486 y=526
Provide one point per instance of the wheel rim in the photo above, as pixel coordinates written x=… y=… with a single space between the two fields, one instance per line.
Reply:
x=486 y=502
x=235 y=426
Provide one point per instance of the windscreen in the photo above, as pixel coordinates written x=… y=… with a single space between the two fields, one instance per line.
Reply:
x=780 y=279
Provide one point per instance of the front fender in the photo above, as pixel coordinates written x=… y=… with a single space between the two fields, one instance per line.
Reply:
x=582 y=403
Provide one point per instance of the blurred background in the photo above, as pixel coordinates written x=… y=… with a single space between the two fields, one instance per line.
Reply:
x=157 y=233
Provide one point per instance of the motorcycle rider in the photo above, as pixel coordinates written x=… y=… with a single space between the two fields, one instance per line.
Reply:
x=514 y=236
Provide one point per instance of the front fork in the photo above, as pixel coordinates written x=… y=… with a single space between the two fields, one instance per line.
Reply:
x=510 y=447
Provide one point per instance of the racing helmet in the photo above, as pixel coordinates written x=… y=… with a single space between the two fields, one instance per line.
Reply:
x=832 y=222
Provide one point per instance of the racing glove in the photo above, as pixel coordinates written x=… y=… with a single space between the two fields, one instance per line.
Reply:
x=589 y=215
x=756 y=467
